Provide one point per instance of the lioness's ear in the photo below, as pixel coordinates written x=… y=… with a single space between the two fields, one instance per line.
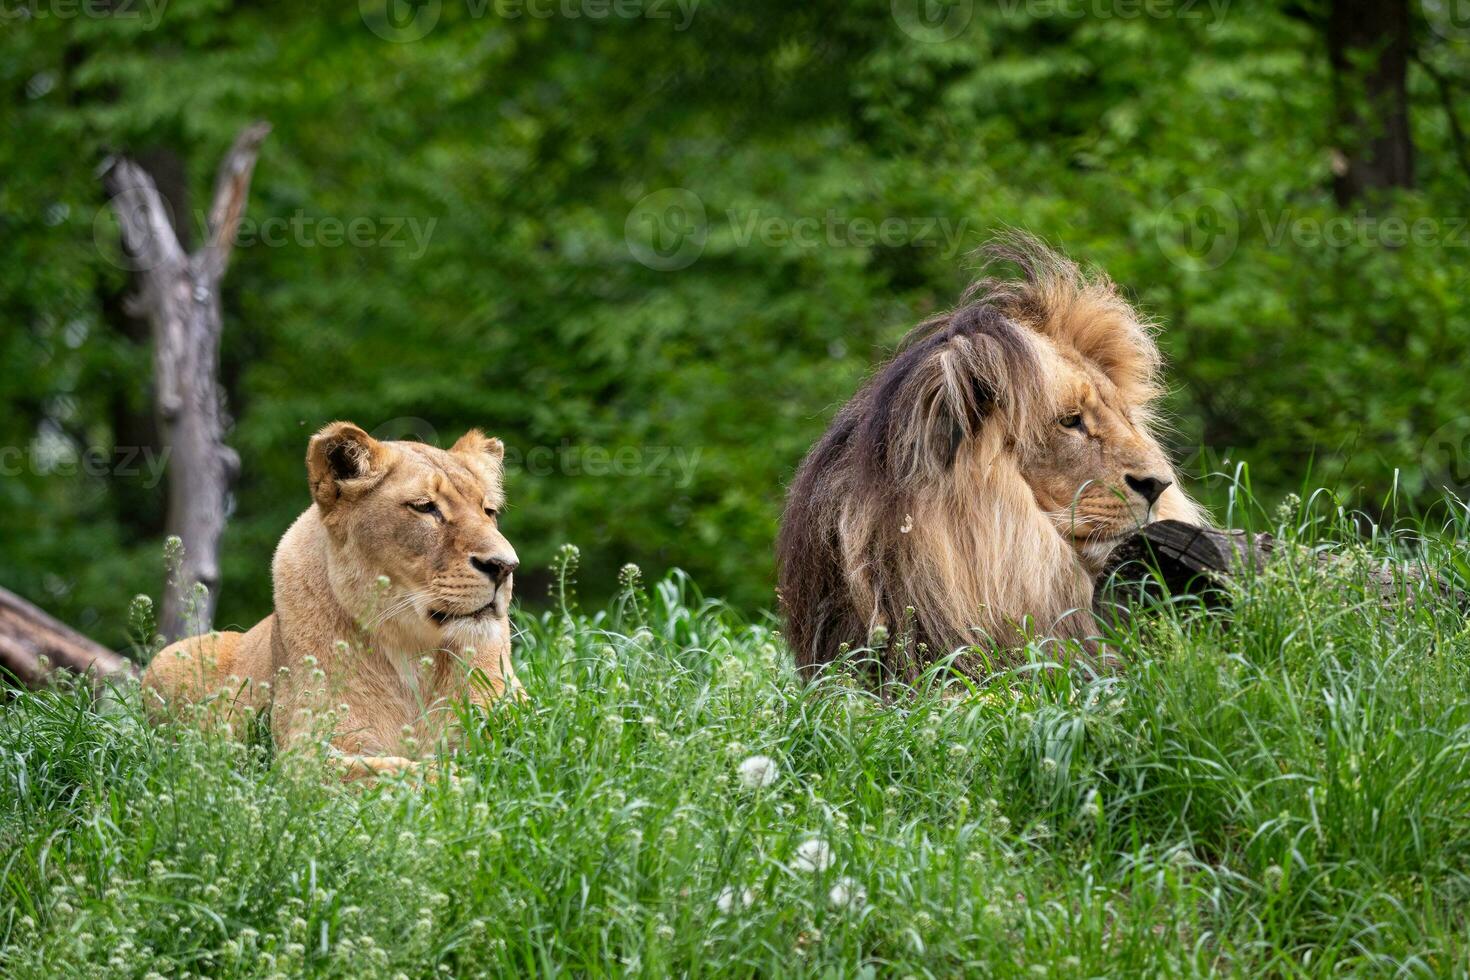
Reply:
x=343 y=460
x=475 y=442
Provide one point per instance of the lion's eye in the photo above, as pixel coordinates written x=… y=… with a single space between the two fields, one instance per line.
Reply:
x=424 y=507
x=1070 y=421
x=492 y=513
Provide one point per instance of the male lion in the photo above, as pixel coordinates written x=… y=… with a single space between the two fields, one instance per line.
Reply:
x=391 y=594
x=971 y=490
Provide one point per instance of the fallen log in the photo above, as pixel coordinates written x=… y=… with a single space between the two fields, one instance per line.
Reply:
x=1175 y=558
x=33 y=644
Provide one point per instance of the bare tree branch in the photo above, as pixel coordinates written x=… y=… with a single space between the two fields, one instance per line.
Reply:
x=231 y=187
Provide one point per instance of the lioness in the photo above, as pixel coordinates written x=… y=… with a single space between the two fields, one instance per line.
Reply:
x=391 y=594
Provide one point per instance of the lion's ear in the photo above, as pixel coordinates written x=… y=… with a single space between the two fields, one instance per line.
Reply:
x=343 y=461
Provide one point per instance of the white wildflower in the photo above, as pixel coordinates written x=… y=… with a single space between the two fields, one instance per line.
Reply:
x=729 y=899
x=813 y=854
x=758 y=772
x=848 y=894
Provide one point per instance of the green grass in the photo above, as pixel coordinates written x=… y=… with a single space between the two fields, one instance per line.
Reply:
x=1284 y=790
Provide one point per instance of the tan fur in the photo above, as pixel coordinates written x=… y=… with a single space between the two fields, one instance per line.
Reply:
x=356 y=579
x=953 y=502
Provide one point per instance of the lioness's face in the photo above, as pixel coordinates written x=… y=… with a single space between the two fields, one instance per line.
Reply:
x=1096 y=472
x=427 y=519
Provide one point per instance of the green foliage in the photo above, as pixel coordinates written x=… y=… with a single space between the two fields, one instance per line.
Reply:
x=1279 y=791
x=517 y=151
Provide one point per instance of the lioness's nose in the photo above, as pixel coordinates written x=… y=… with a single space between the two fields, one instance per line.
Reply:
x=1148 y=487
x=496 y=568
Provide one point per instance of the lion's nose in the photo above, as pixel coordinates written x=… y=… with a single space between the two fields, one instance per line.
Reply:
x=496 y=568
x=1148 y=487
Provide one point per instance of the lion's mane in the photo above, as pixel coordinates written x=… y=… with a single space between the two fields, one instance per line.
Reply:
x=882 y=528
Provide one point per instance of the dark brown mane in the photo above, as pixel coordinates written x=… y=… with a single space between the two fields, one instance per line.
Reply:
x=977 y=381
x=871 y=453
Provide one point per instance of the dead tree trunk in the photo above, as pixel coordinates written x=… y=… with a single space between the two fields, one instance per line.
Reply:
x=32 y=644
x=179 y=293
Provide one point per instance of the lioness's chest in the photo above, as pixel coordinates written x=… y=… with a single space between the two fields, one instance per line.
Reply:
x=403 y=706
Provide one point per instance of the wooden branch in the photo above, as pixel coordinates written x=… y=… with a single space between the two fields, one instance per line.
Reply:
x=180 y=296
x=231 y=188
x=33 y=643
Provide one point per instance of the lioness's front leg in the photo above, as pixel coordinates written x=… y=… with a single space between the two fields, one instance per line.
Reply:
x=492 y=676
x=354 y=767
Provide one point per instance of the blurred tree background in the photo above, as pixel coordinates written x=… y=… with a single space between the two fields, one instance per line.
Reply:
x=664 y=241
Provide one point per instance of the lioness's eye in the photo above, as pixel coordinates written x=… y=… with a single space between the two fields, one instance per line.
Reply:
x=424 y=506
x=491 y=513
x=1070 y=421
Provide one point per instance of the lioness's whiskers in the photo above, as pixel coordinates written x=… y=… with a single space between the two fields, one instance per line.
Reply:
x=397 y=606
